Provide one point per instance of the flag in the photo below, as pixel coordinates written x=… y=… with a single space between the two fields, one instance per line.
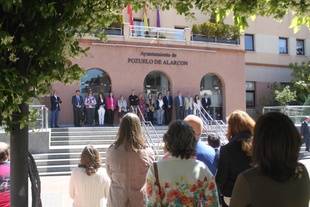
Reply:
x=146 y=24
x=158 y=18
x=129 y=12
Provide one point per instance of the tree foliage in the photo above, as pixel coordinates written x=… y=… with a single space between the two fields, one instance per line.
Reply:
x=298 y=92
x=37 y=40
x=244 y=9
x=285 y=96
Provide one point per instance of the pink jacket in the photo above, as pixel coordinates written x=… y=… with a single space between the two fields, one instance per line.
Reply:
x=127 y=171
x=110 y=103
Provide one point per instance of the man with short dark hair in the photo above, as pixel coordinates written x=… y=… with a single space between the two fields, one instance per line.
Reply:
x=168 y=103
x=55 y=108
x=77 y=103
x=179 y=106
x=133 y=102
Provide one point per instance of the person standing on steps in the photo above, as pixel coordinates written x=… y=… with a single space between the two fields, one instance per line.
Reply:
x=179 y=106
x=78 y=104
x=55 y=108
x=101 y=109
x=90 y=105
x=133 y=102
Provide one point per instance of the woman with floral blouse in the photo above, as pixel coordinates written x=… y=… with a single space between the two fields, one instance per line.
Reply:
x=183 y=181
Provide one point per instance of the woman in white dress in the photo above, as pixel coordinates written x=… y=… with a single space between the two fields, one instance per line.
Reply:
x=89 y=182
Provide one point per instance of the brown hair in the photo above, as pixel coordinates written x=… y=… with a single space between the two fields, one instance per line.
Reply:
x=130 y=133
x=240 y=122
x=4 y=151
x=90 y=159
x=180 y=140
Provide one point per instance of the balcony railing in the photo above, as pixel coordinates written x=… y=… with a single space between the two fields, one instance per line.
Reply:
x=114 y=31
x=157 y=33
x=204 y=38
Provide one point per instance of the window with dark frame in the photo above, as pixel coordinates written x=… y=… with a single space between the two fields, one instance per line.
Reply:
x=300 y=47
x=249 y=42
x=283 y=47
x=250 y=94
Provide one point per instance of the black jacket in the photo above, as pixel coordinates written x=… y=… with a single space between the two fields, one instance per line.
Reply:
x=231 y=163
x=55 y=103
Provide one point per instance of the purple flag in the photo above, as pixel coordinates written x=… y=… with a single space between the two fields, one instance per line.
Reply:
x=158 y=18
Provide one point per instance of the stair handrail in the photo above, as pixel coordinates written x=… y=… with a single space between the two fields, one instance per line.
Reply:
x=149 y=140
x=218 y=123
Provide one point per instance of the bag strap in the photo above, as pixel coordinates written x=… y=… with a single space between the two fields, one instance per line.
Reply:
x=157 y=181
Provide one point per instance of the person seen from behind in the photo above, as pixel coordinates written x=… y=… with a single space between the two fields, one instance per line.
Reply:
x=236 y=156
x=127 y=162
x=277 y=179
x=4 y=175
x=215 y=143
x=89 y=182
x=180 y=179
x=204 y=152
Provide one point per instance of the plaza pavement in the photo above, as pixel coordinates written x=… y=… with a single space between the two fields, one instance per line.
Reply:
x=55 y=189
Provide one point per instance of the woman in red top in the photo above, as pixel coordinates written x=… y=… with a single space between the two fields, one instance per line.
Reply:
x=4 y=175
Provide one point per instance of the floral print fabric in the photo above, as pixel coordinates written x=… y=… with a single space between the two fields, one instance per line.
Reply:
x=184 y=183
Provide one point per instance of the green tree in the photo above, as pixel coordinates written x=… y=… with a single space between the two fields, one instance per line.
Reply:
x=285 y=96
x=37 y=40
x=299 y=89
x=301 y=81
x=244 y=9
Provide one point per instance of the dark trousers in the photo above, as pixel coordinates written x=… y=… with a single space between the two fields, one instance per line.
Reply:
x=307 y=142
x=110 y=117
x=179 y=112
x=168 y=115
x=150 y=116
x=77 y=116
x=54 y=118
x=90 y=116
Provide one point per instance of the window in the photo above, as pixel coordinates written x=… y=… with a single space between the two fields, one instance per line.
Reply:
x=283 y=49
x=300 y=47
x=249 y=42
x=250 y=94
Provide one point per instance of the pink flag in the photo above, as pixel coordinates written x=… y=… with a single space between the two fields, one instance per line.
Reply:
x=129 y=12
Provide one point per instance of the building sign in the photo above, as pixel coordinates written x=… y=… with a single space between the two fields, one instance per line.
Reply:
x=157 y=58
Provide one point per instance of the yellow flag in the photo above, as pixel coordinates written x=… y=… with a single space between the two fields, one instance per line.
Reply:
x=146 y=24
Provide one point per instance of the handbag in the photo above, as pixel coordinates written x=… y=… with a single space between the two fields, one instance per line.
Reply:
x=157 y=181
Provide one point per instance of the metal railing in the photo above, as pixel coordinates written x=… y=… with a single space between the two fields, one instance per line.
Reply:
x=296 y=113
x=38 y=119
x=213 y=126
x=41 y=117
x=157 y=33
x=204 y=38
x=147 y=125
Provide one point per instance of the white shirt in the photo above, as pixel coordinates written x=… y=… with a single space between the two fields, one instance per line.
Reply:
x=161 y=103
x=87 y=191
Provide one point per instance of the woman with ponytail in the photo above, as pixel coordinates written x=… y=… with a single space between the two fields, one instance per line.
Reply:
x=89 y=182
x=236 y=156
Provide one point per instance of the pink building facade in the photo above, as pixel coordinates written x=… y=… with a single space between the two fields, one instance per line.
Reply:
x=127 y=65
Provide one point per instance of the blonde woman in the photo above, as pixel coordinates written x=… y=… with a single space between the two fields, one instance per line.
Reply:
x=128 y=160
x=89 y=183
x=236 y=156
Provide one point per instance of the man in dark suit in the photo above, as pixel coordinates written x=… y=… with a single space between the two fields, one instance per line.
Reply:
x=55 y=108
x=206 y=102
x=168 y=103
x=77 y=103
x=179 y=106
x=305 y=133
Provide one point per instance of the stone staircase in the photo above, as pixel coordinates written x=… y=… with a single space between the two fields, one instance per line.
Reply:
x=66 y=145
